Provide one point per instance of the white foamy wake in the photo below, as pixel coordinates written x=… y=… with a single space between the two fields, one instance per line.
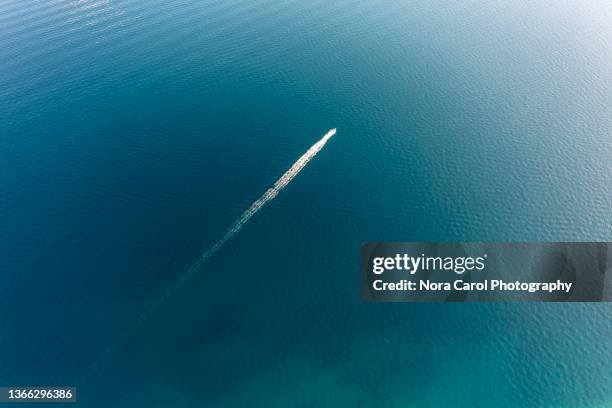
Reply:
x=234 y=229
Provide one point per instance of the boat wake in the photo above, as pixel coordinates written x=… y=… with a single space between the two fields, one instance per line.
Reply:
x=234 y=229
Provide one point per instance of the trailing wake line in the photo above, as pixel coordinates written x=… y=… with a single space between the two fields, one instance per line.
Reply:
x=241 y=221
x=234 y=229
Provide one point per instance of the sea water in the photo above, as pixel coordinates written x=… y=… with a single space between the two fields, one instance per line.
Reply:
x=133 y=132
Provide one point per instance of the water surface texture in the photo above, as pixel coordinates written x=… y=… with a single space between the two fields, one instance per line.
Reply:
x=134 y=132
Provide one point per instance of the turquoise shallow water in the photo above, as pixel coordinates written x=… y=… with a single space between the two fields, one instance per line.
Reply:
x=132 y=133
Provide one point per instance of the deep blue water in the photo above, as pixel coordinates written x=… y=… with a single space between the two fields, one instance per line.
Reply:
x=132 y=133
